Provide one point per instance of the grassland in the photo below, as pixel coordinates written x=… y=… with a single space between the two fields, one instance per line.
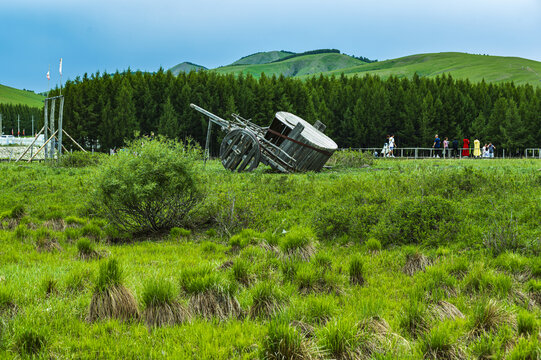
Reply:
x=447 y=250
x=262 y=57
x=10 y=95
x=495 y=69
x=302 y=65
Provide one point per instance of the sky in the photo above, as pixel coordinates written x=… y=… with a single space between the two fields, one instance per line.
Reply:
x=111 y=35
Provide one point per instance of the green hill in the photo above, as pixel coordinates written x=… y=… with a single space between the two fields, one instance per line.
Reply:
x=296 y=66
x=186 y=67
x=459 y=65
x=9 y=95
x=263 y=57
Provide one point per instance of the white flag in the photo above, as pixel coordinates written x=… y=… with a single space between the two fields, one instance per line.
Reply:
x=60 y=69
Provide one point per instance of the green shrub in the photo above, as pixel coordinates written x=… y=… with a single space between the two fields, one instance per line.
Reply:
x=323 y=261
x=211 y=233
x=150 y=187
x=78 y=159
x=289 y=269
x=351 y=158
x=421 y=220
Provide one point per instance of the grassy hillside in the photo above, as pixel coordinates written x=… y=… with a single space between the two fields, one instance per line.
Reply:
x=186 y=67
x=262 y=57
x=301 y=65
x=459 y=65
x=9 y=95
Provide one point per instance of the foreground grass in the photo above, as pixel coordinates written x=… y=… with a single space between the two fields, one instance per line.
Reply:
x=46 y=287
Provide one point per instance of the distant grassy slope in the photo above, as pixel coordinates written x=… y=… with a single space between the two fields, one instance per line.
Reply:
x=9 y=95
x=186 y=67
x=302 y=65
x=262 y=57
x=459 y=65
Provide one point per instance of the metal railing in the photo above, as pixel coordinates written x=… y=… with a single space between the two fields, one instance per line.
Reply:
x=424 y=153
x=530 y=153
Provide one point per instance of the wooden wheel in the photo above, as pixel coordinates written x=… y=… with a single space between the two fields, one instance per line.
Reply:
x=239 y=150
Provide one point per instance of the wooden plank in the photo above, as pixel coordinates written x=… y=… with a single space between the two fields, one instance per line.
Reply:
x=45 y=144
x=32 y=144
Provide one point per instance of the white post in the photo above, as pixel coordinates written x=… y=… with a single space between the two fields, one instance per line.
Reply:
x=18 y=126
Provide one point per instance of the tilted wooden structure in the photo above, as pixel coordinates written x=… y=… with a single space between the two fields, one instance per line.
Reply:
x=289 y=144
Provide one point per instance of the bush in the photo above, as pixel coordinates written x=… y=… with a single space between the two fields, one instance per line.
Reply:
x=351 y=158
x=150 y=187
x=428 y=219
x=78 y=159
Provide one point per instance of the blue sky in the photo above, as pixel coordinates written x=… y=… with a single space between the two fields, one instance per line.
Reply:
x=144 y=35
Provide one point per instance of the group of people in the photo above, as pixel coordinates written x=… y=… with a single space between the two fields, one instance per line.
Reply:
x=439 y=146
x=388 y=147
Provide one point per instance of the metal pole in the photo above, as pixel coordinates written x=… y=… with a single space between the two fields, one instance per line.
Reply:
x=1 y=128
x=32 y=125
x=45 y=126
x=60 y=127
x=18 y=125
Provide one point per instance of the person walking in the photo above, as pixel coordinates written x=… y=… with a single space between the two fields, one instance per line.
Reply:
x=445 y=147
x=491 y=149
x=437 y=146
x=455 y=148
x=391 y=145
x=466 y=147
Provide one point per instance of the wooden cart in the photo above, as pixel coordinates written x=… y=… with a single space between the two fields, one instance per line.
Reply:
x=289 y=144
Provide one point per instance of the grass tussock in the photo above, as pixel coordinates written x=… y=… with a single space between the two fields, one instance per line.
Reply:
x=111 y=299
x=415 y=262
x=284 y=341
x=440 y=343
x=312 y=280
x=443 y=310
x=8 y=306
x=414 y=318
x=86 y=250
x=210 y=294
x=489 y=315
x=299 y=243
x=160 y=306
x=30 y=343
x=267 y=300
x=55 y=224
x=356 y=272
x=339 y=340
x=242 y=272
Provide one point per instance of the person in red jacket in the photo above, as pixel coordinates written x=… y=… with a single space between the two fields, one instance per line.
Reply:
x=466 y=147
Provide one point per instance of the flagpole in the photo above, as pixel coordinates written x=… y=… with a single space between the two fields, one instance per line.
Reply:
x=60 y=76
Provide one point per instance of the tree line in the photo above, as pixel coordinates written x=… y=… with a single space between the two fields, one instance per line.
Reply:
x=10 y=113
x=105 y=109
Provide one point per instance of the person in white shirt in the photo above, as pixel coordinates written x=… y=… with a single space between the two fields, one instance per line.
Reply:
x=391 y=146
